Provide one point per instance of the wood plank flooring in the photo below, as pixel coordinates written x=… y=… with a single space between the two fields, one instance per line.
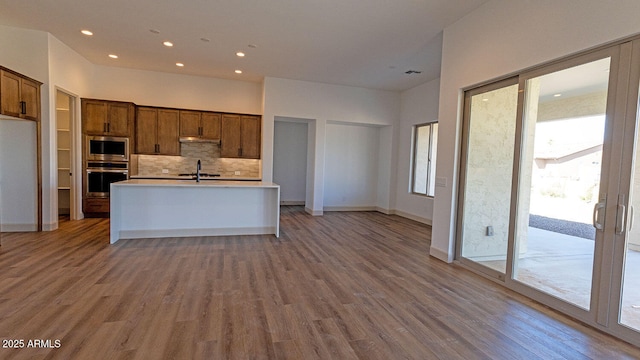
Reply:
x=354 y=285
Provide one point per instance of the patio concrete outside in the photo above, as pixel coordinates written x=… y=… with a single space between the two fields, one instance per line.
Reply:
x=561 y=265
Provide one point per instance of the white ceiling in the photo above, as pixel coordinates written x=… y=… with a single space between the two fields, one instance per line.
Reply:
x=365 y=43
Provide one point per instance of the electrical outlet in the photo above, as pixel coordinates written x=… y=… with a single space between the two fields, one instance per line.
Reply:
x=165 y=171
x=489 y=230
x=236 y=172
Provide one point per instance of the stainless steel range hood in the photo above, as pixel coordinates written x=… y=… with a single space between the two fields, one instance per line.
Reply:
x=195 y=139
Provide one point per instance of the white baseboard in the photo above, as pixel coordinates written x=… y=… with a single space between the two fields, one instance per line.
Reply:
x=50 y=227
x=440 y=255
x=385 y=211
x=313 y=212
x=413 y=217
x=19 y=227
x=291 y=202
x=349 y=208
x=163 y=233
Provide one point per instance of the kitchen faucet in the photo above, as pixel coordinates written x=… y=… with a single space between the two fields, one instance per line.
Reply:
x=198 y=167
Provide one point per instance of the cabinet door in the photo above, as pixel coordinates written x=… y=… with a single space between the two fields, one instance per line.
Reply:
x=94 y=117
x=251 y=137
x=118 y=120
x=189 y=123
x=230 y=145
x=211 y=126
x=168 y=132
x=30 y=94
x=146 y=130
x=10 y=92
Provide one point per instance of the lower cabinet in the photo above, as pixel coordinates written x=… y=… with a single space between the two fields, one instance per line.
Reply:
x=95 y=207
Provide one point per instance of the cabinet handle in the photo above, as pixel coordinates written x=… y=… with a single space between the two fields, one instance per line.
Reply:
x=240 y=152
x=23 y=107
x=108 y=127
x=104 y=127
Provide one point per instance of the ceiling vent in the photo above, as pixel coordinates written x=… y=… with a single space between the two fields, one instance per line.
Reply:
x=409 y=72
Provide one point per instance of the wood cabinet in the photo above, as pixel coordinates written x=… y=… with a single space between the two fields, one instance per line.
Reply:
x=240 y=136
x=157 y=131
x=203 y=125
x=95 y=207
x=19 y=95
x=107 y=118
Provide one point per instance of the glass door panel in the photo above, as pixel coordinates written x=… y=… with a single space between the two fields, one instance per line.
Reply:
x=630 y=292
x=559 y=181
x=490 y=127
x=628 y=298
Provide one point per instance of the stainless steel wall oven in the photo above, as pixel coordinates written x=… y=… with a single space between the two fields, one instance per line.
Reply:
x=100 y=175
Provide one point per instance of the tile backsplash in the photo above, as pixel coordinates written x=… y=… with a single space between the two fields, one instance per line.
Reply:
x=209 y=156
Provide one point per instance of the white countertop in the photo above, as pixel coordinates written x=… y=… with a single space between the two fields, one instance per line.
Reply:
x=177 y=177
x=193 y=183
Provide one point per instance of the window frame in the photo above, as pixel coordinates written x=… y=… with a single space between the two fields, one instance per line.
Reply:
x=414 y=159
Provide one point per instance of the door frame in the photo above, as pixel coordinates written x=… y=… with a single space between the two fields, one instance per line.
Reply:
x=75 y=165
x=620 y=134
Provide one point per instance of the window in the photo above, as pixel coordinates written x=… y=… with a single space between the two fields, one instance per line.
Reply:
x=425 y=144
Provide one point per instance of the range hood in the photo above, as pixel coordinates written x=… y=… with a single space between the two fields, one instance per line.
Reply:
x=196 y=139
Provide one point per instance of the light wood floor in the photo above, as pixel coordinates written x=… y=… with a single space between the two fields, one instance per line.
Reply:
x=341 y=286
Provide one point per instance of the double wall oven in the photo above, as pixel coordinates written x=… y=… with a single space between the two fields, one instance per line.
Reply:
x=107 y=161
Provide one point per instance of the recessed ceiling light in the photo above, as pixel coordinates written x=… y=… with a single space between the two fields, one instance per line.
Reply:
x=167 y=43
x=238 y=71
x=113 y=56
x=87 y=32
x=240 y=54
x=252 y=46
x=485 y=99
x=557 y=95
x=179 y=64
x=154 y=31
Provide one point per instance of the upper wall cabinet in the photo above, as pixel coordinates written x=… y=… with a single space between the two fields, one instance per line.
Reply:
x=108 y=118
x=240 y=137
x=157 y=131
x=202 y=125
x=19 y=95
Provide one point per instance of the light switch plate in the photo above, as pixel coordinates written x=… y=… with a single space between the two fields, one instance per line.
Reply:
x=165 y=171
x=236 y=173
x=441 y=181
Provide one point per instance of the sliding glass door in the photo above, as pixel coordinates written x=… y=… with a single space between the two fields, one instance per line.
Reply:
x=549 y=184
x=561 y=178
x=490 y=124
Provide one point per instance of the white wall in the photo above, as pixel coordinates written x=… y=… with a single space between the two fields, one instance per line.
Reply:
x=418 y=106
x=290 y=159
x=175 y=90
x=72 y=74
x=26 y=52
x=499 y=38
x=351 y=167
x=321 y=103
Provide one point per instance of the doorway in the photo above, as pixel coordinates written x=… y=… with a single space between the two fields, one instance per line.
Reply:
x=64 y=140
x=546 y=192
x=290 y=170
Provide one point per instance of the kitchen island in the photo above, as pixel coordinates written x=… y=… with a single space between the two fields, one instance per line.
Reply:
x=142 y=208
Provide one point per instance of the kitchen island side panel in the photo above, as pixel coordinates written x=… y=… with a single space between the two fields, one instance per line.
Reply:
x=139 y=211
